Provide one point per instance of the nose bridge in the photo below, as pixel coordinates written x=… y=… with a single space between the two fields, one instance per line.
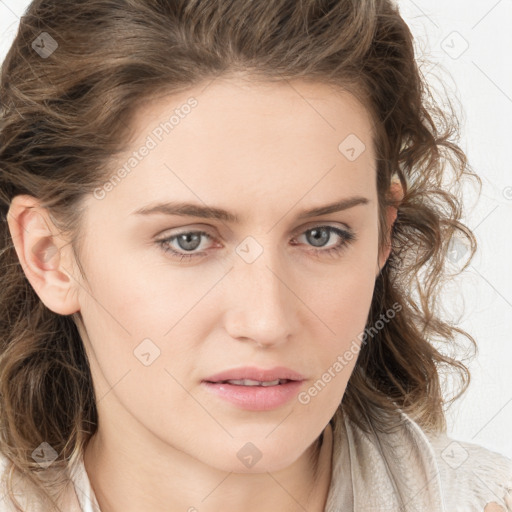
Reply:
x=261 y=307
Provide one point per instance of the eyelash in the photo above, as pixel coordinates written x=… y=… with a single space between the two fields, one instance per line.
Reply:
x=347 y=238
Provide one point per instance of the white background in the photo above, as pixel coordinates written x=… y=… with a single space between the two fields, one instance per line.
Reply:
x=479 y=79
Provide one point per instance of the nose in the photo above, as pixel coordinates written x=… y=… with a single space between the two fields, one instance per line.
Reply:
x=261 y=306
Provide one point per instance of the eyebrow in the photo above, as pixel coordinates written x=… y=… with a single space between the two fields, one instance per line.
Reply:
x=211 y=212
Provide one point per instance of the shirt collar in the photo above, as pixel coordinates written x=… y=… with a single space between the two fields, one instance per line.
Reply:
x=394 y=470
x=84 y=493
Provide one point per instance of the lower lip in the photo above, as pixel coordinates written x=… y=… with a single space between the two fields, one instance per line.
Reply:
x=255 y=398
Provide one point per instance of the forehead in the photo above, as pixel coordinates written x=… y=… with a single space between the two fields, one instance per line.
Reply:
x=244 y=142
x=234 y=100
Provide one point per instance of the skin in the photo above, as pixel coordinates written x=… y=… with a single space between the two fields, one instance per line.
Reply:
x=266 y=152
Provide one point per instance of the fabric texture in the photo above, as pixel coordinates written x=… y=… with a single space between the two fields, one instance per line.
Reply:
x=406 y=470
x=411 y=471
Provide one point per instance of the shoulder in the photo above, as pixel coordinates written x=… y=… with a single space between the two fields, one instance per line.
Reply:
x=427 y=471
x=472 y=476
x=26 y=496
x=5 y=503
x=21 y=494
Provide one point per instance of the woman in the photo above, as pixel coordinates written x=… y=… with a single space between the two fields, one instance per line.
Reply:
x=175 y=333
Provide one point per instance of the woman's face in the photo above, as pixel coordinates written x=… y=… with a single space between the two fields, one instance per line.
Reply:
x=274 y=288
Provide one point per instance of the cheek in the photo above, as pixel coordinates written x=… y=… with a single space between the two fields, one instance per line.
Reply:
x=127 y=317
x=137 y=295
x=345 y=298
x=343 y=306
x=142 y=317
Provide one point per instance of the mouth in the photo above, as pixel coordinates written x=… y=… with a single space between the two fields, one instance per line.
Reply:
x=255 y=389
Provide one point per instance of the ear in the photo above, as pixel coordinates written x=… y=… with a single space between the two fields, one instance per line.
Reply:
x=396 y=193
x=43 y=255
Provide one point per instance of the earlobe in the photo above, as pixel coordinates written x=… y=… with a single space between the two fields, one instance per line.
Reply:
x=41 y=254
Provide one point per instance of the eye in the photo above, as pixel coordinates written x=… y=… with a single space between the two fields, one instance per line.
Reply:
x=317 y=236
x=188 y=241
x=320 y=234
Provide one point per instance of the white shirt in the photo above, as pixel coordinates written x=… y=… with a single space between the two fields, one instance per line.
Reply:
x=380 y=472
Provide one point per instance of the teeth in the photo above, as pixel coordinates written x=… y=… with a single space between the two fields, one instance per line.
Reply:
x=249 y=382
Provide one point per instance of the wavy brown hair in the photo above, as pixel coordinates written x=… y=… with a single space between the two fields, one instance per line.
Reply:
x=65 y=116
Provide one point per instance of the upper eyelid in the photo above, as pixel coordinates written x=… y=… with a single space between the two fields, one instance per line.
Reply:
x=295 y=232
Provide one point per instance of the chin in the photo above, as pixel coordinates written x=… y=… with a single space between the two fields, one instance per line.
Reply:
x=258 y=456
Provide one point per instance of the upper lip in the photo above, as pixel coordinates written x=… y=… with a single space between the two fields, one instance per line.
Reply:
x=254 y=373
